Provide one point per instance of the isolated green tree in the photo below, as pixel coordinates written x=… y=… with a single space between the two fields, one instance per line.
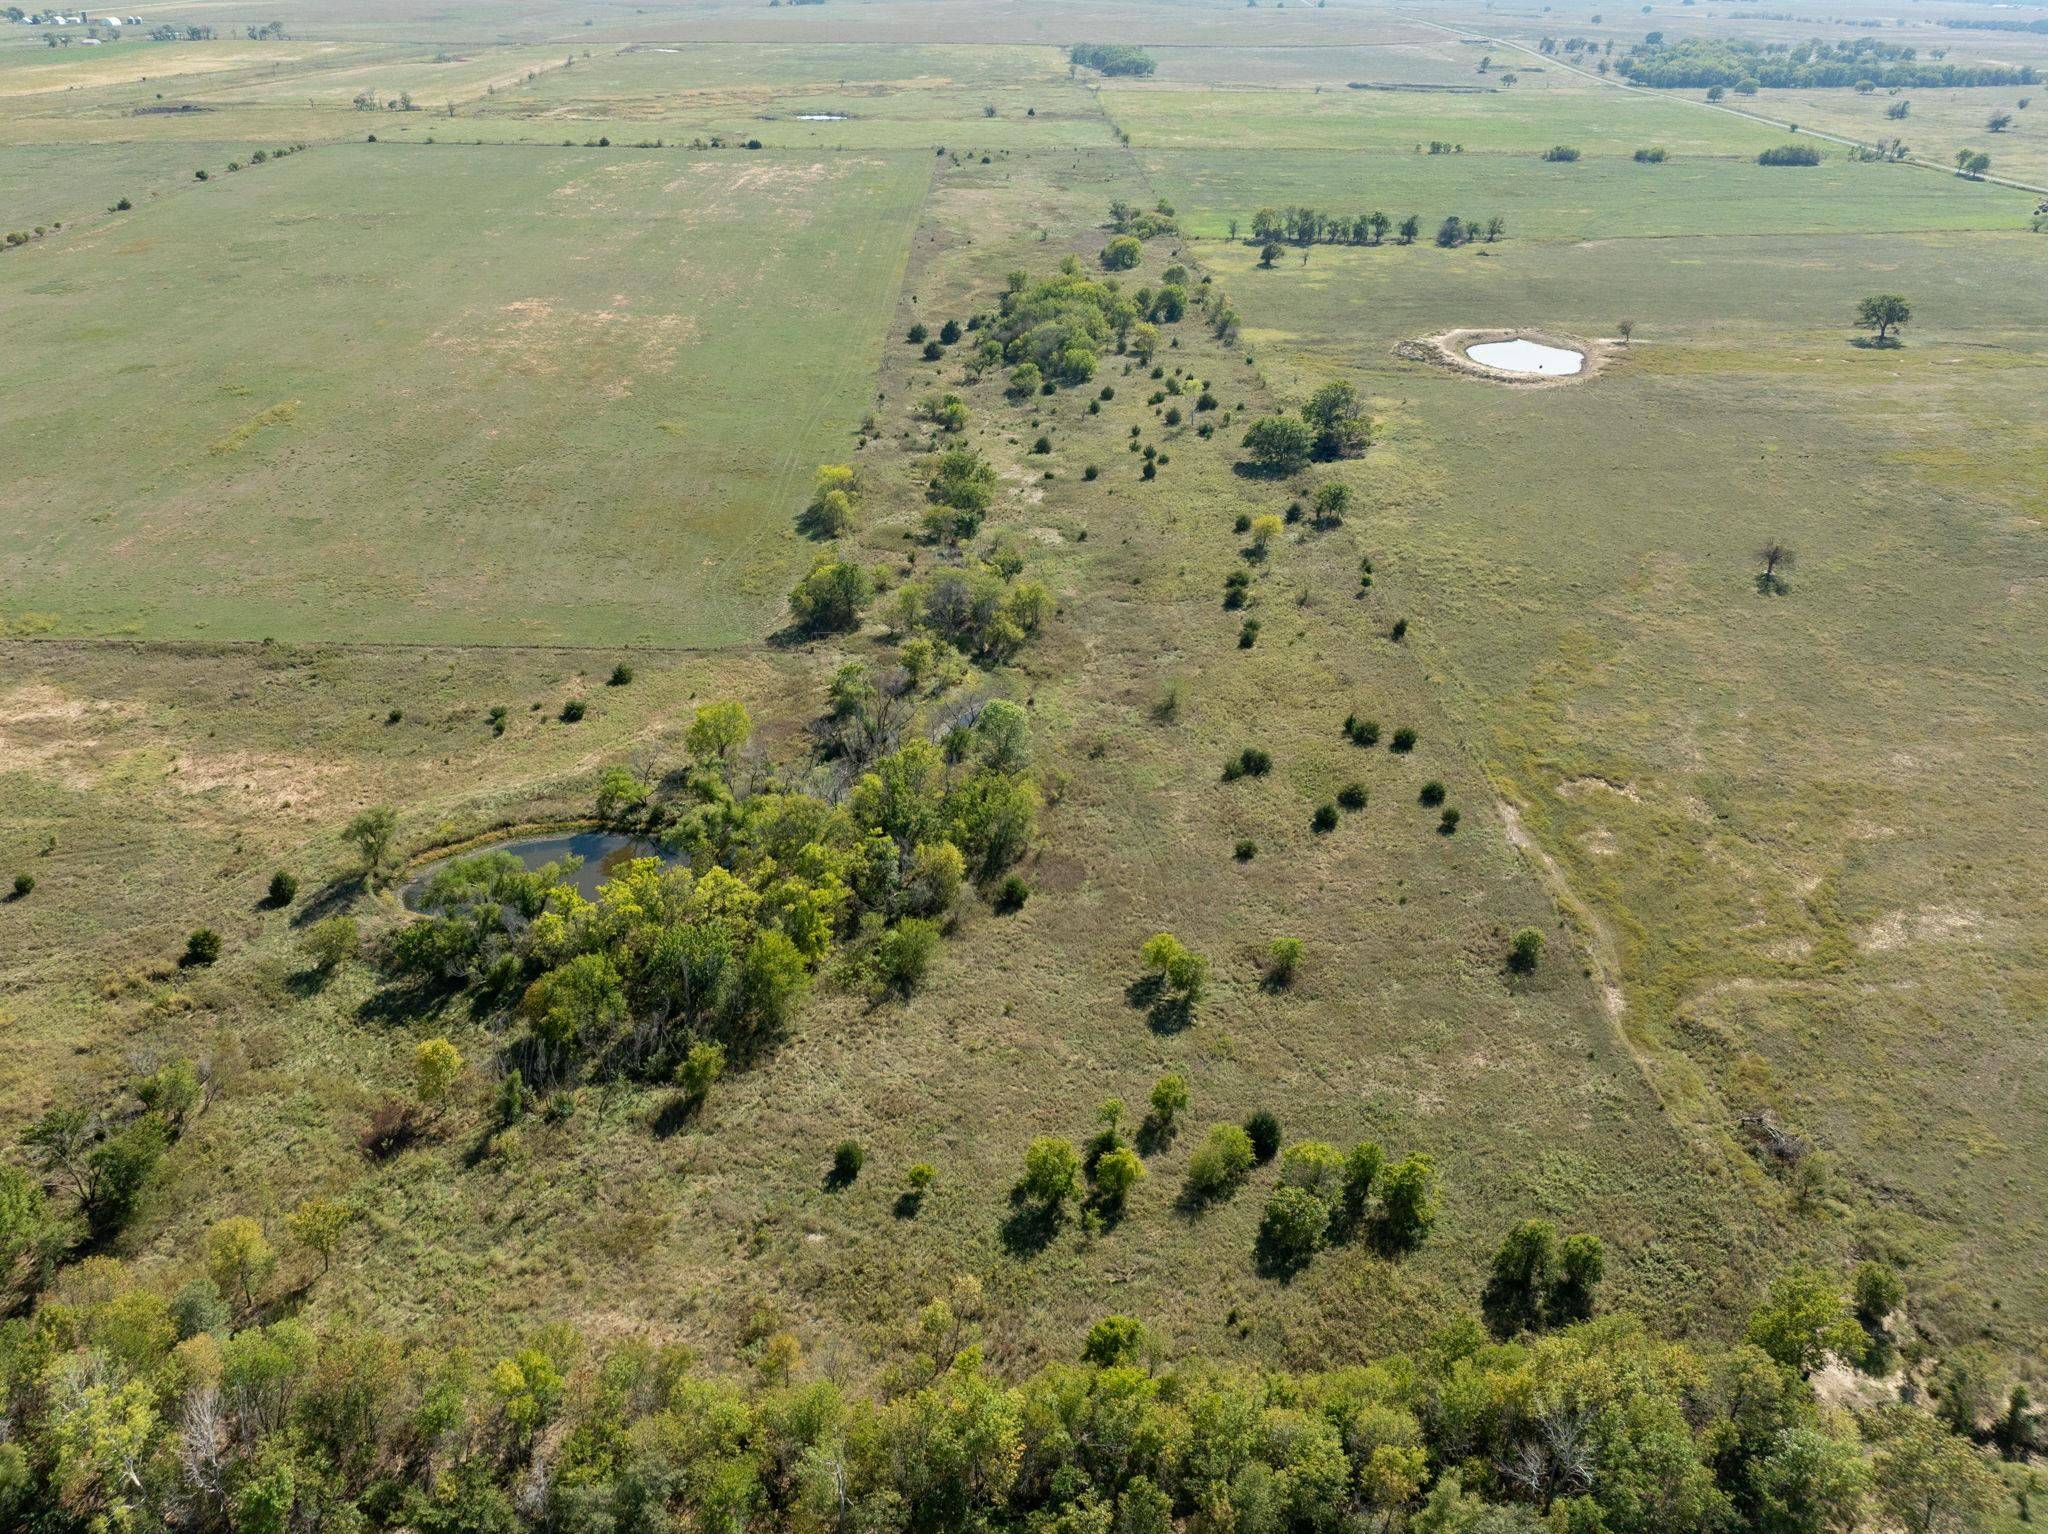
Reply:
x=1802 y=1321
x=1883 y=313
x=371 y=833
x=1052 y=1171
x=830 y=598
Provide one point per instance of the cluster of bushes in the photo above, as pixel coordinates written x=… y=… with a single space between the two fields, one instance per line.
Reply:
x=1790 y=154
x=1326 y=1196
x=128 y=1409
x=1056 y=331
x=1998 y=24
x=1103 y=1174
x=1143 y=223
x=1332 y=424
x=980 y=610
x=1695 y=62
x=1111 y=58
x=101 y=1163
x=777 y=882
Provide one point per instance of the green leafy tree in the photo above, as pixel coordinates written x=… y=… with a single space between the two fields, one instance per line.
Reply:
x=1184 y=972
x=1927 y=1481
x=699 y=1071
x=1883 y=313
x=1168 y=1101
x=1407 y=1201
x=1279 y=444
x=830 y=597
x=238 y=1258
x=1052 y=1171
x=1332 y=501
x=1292 y=1227
x=372 y=833
x=1361 y=1172
x=1876 y=1291
x=961 y=489
x=1802 y=1321
x=1117 y=1172
x=330 y=943
x=1219 y=1163
x=1581 y=1264
x=718 y=731
x=317 y=1224
x=436 y=1067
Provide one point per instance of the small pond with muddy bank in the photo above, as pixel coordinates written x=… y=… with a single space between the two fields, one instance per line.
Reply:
x=603 y=854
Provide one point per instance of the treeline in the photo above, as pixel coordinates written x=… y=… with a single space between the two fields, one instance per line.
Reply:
x=1112 y=58
x=1704 y=63
x=1997 y=24
x=129 y=1409
x=1313 y=226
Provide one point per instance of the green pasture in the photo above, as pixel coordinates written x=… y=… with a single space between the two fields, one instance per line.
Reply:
x=1936 y=124
x=411 y=393
x=1506 y=120
x=1592 y=199
x=1800 y=822
x=50 y=184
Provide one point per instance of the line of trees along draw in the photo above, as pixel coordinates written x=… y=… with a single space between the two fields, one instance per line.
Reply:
x=1695 y=63
x=1314 y=226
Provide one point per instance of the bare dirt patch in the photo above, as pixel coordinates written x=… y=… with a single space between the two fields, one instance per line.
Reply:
x=48 y=731
x=1448 y=351
x=1933 y=924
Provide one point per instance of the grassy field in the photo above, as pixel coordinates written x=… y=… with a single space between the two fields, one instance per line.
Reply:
x=1937 y=124
x=307 y=467
x=1797 y=822
x=1592 y=199
x=1403 y=1027
x=48 y=184
x=473 y=303
x=1504 y=121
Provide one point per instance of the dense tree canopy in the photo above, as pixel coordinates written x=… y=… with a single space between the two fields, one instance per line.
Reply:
x=1694 y=62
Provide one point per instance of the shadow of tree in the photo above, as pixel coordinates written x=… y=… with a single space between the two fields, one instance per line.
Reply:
x=675 y=1115
x=331 y=899
x=1030 y=1226
x=1170 y=1014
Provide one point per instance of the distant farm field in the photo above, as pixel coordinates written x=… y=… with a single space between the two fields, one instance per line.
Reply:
x=420 y=393
x=1504 y=120
x=50 y=184
x=1594 y=198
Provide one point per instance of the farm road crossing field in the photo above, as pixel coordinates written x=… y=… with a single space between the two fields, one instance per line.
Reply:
x=446 y=393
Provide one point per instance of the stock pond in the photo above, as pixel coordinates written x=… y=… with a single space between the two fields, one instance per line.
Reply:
x=604 y=853
x=1519 y=356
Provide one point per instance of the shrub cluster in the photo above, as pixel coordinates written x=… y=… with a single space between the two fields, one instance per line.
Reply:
x=720 y=950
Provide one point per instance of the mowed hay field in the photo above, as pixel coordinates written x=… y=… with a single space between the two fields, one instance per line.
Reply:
x=443 y=393
x=1804 y=830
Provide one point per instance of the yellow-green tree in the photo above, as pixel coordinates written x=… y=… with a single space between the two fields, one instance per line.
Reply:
x=238 y=1258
